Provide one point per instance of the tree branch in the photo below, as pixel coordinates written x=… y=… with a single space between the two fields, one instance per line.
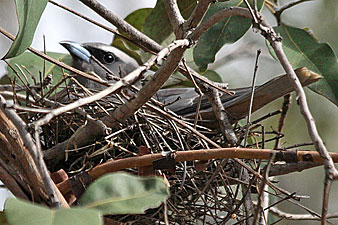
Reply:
x=227 y=12
x=91 y=131
x=133 y=33
x=197 y=15
x=279 y=12
x=49 y=186
x=152 y=86
x=203 y=154
x=175 y=17
x=275 y=42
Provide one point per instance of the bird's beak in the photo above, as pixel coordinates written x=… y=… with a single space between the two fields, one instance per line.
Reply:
x=77 y=50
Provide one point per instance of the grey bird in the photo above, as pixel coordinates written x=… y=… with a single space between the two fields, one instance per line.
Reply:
x=183 y=100
x=115 y=60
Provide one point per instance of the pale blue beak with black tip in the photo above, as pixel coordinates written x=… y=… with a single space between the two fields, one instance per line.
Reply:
x=77 y=50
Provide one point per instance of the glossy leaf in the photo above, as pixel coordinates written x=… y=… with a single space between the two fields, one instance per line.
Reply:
x=303 y=49
x=157 y=25
x=136 y=19
x=213 y=76
x=5 y=80
x=29 y=13
x=226 y=31
x=19 y=212
x=34 y=64
x=121 y=193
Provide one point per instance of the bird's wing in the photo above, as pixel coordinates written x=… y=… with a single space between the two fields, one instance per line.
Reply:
x=183 y=101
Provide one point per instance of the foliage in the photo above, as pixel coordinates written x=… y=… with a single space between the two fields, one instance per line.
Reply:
x=121 y=193
x=226 y=31
x=28 y=71
x=303 y=49
x=117 y=193
x=29 y=13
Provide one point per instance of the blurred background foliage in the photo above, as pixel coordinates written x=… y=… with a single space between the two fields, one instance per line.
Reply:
x=235 y=63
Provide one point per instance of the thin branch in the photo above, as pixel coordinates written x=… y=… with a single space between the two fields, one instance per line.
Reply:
x=279 y=12
x=312 y=129
x=326 y=194
x=262 y=187
x=197 y=90
x=56 y=198
x=156 y=47
x=265 y=203
x=253 y=85
x=285 y=107
x=290 y=216
x=246 y=193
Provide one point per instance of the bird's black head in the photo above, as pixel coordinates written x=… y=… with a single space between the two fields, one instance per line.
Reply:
x=115 y=60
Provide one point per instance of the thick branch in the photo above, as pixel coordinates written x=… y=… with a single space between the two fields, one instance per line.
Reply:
x=39 y=176
x=96 y=23
x=133 y=33
x=197 y=15
x=11 y=184
x=175 y=17
x=311 y=125
x=152 y=86
x=275 y=42
x=232 y=11
x=221 y=116
x=204 y=154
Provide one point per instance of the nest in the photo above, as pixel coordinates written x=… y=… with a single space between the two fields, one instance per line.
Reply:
x=201 y=191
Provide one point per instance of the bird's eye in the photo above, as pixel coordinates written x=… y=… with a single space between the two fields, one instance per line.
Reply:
x=108 y=58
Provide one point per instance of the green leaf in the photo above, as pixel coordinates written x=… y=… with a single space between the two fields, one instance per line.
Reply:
x=213 y=76
x=34 y=65
x=176 y=80
x=121 y=193
x=157 y=25
x=303 y=49
x=226 y=31
x=29 y=13
x=5 y=80
x=19 y=212
x=136 y=19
